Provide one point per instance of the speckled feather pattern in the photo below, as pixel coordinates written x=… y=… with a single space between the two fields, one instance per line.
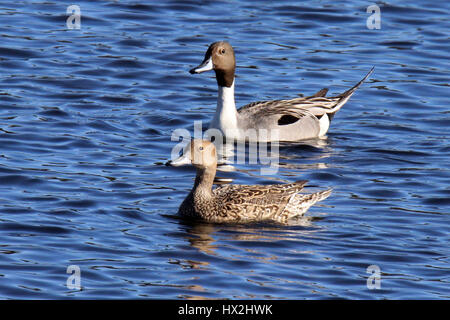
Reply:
x=246 y=203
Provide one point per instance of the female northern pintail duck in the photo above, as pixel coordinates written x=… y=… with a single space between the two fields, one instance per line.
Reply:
x=238 y=203
x=294 y=119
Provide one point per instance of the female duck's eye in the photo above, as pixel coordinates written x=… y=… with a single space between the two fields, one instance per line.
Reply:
x=222 y=51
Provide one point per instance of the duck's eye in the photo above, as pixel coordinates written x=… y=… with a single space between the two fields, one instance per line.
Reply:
x=222 y=51
x=201 y=148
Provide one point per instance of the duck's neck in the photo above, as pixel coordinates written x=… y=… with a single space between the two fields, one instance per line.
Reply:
x=226 y=114
x=204 y=181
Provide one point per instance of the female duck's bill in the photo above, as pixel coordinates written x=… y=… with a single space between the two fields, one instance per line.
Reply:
x=239 y=203
x=293 y=119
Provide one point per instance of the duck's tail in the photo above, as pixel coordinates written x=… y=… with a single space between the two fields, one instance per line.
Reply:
x=300 y=203
x=324 y=108
x=343 y=97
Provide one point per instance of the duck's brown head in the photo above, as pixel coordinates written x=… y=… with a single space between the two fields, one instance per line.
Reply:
x=220 y=58
x=200 y=153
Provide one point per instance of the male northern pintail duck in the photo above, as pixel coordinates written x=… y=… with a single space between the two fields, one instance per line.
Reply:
x=238 y=203
x=295 y=119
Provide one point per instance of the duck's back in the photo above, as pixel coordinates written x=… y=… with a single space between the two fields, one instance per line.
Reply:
x=253 y=202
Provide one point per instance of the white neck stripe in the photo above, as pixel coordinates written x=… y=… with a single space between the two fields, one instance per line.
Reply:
x=226 y=114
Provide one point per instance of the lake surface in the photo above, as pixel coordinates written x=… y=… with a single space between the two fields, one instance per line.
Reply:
x=86 y=118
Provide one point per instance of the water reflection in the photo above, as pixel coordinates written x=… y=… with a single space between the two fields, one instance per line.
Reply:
x=205 y=236
x=282 y=155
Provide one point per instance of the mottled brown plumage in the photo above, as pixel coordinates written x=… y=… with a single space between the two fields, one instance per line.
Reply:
x=239 y=203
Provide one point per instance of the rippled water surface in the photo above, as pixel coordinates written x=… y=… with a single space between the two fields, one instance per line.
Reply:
x=86 y=118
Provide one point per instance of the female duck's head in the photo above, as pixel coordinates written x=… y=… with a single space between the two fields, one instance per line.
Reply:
x=200 y=153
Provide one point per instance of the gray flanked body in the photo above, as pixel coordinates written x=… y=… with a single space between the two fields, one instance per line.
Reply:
x=239 y=203
x=276 y=120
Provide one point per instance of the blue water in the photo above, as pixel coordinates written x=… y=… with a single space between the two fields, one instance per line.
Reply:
x=86 y=118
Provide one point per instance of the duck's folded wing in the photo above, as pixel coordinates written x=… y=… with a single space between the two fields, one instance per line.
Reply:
x=290 y=111
x=256 y=191
x=317 y=104
x=271 y=114
x=254 y=202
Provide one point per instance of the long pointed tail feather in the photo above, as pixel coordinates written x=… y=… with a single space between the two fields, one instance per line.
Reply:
x=343 y=97
x=356 y=86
